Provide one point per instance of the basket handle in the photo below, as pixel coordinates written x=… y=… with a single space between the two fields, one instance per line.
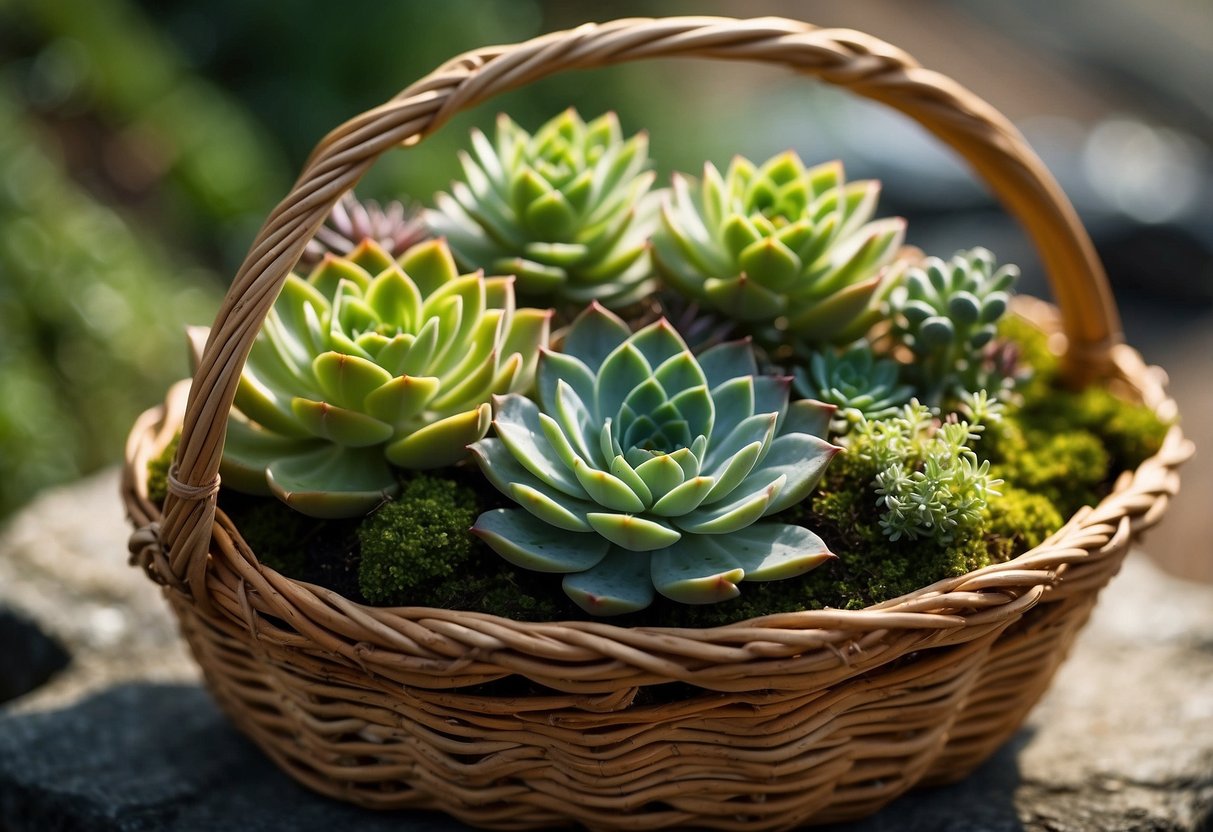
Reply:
x=849 y=59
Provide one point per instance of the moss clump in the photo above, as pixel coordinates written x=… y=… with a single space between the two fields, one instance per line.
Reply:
x=1032 y=346
x=1131 y=432
x=1067 y=467
x=157 y=471
x=417 y=539
x=416 y=551
x=1020 y=520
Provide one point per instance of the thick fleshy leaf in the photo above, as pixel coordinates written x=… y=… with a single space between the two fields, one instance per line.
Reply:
x=325 y=279
x=732 y=403
x=697 y=409
x=691 y=572
x=659 y=342
x=623 y=371
x=606 y=489
x=577 y=424
x=395 y=299
x=773 y=551
x=725 y=518
x=684 y=498
x=594 y=334
x=332 y=482
x=679 y=372
x=625 y=472
x=636 y=534
x=520 y=428
x=248 y=450
x=744 y=298
x=758 y=428
x=616 y=585
x=727 y=361
x=401 y=399
x=734 y=471
x=796 y=461
x=770 y=263
x=263 y=404
x=808 y=416
x=339 y=425
x=441 y=443
x=528 y=542
x=430 y=265
x=552 y=507
x=555 y=366
x=661 y=474
x=346 y=380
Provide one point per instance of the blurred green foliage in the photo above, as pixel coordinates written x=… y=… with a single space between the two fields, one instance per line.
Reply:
x=142 y=142
x=91 y=318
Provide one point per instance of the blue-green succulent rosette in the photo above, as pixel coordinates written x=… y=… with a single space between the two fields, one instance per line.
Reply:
x=644 y=469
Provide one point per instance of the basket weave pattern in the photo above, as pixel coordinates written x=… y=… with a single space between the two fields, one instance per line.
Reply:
x=801 y=717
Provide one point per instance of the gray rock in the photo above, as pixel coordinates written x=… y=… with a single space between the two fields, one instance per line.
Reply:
x=63 y=566
x=1124 y=740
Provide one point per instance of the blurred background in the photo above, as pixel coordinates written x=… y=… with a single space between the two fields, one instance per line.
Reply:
x=142 y=143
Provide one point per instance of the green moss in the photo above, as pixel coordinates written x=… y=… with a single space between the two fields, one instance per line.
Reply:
x=416 y=551
x=1033 y=347
x=1020 y=520
x=417 y=539
x=157 y=471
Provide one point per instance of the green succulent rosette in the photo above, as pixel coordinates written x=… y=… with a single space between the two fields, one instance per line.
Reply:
x=947 y=313
x=564 y=210
x=643 y=469
x=781 y=244
x=855 y=381
x=370 y=363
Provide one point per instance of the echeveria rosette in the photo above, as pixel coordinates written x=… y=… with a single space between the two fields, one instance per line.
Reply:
x=564 y=210
x=947 y=313
x=369 y=363
x=782 y=245
x=644 y=469
x=855 y=381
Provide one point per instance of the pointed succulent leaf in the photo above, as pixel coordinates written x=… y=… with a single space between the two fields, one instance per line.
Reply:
x=620 y=583
x=694 y=572
x=440 y=443
x=332 y=481
x=526 y=541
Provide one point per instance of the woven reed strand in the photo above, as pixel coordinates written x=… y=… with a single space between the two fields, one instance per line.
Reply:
x=804 y=717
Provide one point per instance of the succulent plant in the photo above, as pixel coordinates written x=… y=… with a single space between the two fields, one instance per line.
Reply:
x=373 y=361
x=645 y=468
x=393 y=226
x=929 y=481
x=947 y=313
x=564 y=210
x=856 y=382
x=781 y=243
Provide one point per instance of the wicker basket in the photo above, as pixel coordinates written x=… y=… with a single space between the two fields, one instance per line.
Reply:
x=799 y=718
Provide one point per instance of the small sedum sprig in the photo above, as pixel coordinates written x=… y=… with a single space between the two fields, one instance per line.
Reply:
x=929 y=479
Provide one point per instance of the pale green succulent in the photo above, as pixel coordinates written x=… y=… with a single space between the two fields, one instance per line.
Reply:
x=947 y=313
x=929 y=481
x=644 y=468
x=565 y=210
x=858 y=383
x=781 y=244
x=369 y=363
